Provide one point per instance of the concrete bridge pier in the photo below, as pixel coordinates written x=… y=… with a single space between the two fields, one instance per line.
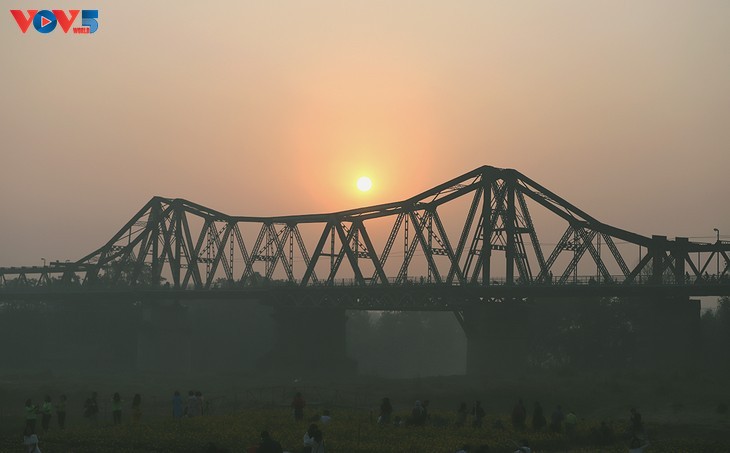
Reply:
x=164 y=339
x=497 y=339
x=668 y=333
x=309 y=341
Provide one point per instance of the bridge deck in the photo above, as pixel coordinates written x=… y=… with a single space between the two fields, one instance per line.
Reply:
x=430 y=297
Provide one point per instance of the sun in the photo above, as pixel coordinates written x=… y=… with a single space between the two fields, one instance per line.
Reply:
x=364 y=184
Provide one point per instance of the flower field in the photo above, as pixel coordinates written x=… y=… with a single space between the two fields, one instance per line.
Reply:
x=351 y=431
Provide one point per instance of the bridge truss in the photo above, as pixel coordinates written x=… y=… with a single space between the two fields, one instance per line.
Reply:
x=475 y=233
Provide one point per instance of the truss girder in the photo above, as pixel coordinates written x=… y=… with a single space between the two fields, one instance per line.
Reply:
x=195 y=247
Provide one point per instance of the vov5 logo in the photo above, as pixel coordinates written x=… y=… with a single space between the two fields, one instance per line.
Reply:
x=45 y=21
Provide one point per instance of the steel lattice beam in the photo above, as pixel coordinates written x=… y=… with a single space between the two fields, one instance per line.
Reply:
x=496 y=237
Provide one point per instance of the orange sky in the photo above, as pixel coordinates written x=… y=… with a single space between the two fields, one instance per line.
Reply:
x=269 y=108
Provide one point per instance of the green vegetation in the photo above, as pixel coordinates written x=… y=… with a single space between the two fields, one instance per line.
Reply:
x=681 y=413
x=351 y=431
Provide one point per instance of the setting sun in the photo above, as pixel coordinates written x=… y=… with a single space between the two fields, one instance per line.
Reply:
x=364 y=184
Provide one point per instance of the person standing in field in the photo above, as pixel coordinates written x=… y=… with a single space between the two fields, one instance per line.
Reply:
x=136 y=408
x=478 y=413
x=538 y=417
x=637 y=425
x=298 y=406
x=571 y=422
x=418 y=414
x=31 y=415
x=461 y=415
x=61 y=412
x=91 y=408
x=556 y=420
x=193 y=408
x=386 y=409
x=201 y=402
x=177 y=405
x=46 y=413
x=117 y=409
x=519 y=415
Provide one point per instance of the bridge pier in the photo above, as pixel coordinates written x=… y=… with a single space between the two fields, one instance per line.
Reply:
x=668 y=333
x=497 y=339
x=309 y=341
x=163 y=342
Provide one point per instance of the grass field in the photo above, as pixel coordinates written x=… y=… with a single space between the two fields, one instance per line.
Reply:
x=680 y=415
x=350 y=431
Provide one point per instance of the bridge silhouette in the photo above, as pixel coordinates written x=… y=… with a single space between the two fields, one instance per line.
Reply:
x=463 y=247
x=469 y=239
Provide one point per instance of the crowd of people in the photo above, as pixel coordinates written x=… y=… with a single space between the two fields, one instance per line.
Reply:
x=559 y=422
x=90 y=411
x=194 y=406
x=313 y=439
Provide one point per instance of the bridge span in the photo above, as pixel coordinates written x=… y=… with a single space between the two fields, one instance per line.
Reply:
x=462 y=246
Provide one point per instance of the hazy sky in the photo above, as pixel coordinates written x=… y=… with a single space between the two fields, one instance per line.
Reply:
x=268 y=108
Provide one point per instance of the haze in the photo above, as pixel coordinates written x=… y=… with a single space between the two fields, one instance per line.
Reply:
x=262 y=108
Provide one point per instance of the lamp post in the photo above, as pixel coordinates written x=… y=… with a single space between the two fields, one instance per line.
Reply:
x=718 y=252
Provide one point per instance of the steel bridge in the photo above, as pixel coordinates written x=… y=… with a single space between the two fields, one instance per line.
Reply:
x=471 y=239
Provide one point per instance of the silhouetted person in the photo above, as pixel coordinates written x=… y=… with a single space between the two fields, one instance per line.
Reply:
x=61 y=412
x=637 y=425
x=117 y=408
x=297 y=405
x=30 y=440
x=571 y=422
x=461 y=415
x=193 y=407
x=538 y=417
x=269 y=445
x=177 y=405
x=91 y=408
x=136 y=408
x=604 y=434
x=46 y=413
x=519 y=415
x=31 y=415
x=556 y=420
x=386 y=409
x=309 y=438
x=478 y=413
x=426 y=415
x=201 y=402
x=318 y=443
x=418 y=414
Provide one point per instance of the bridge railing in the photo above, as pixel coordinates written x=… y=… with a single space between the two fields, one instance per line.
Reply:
x=580 y=280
